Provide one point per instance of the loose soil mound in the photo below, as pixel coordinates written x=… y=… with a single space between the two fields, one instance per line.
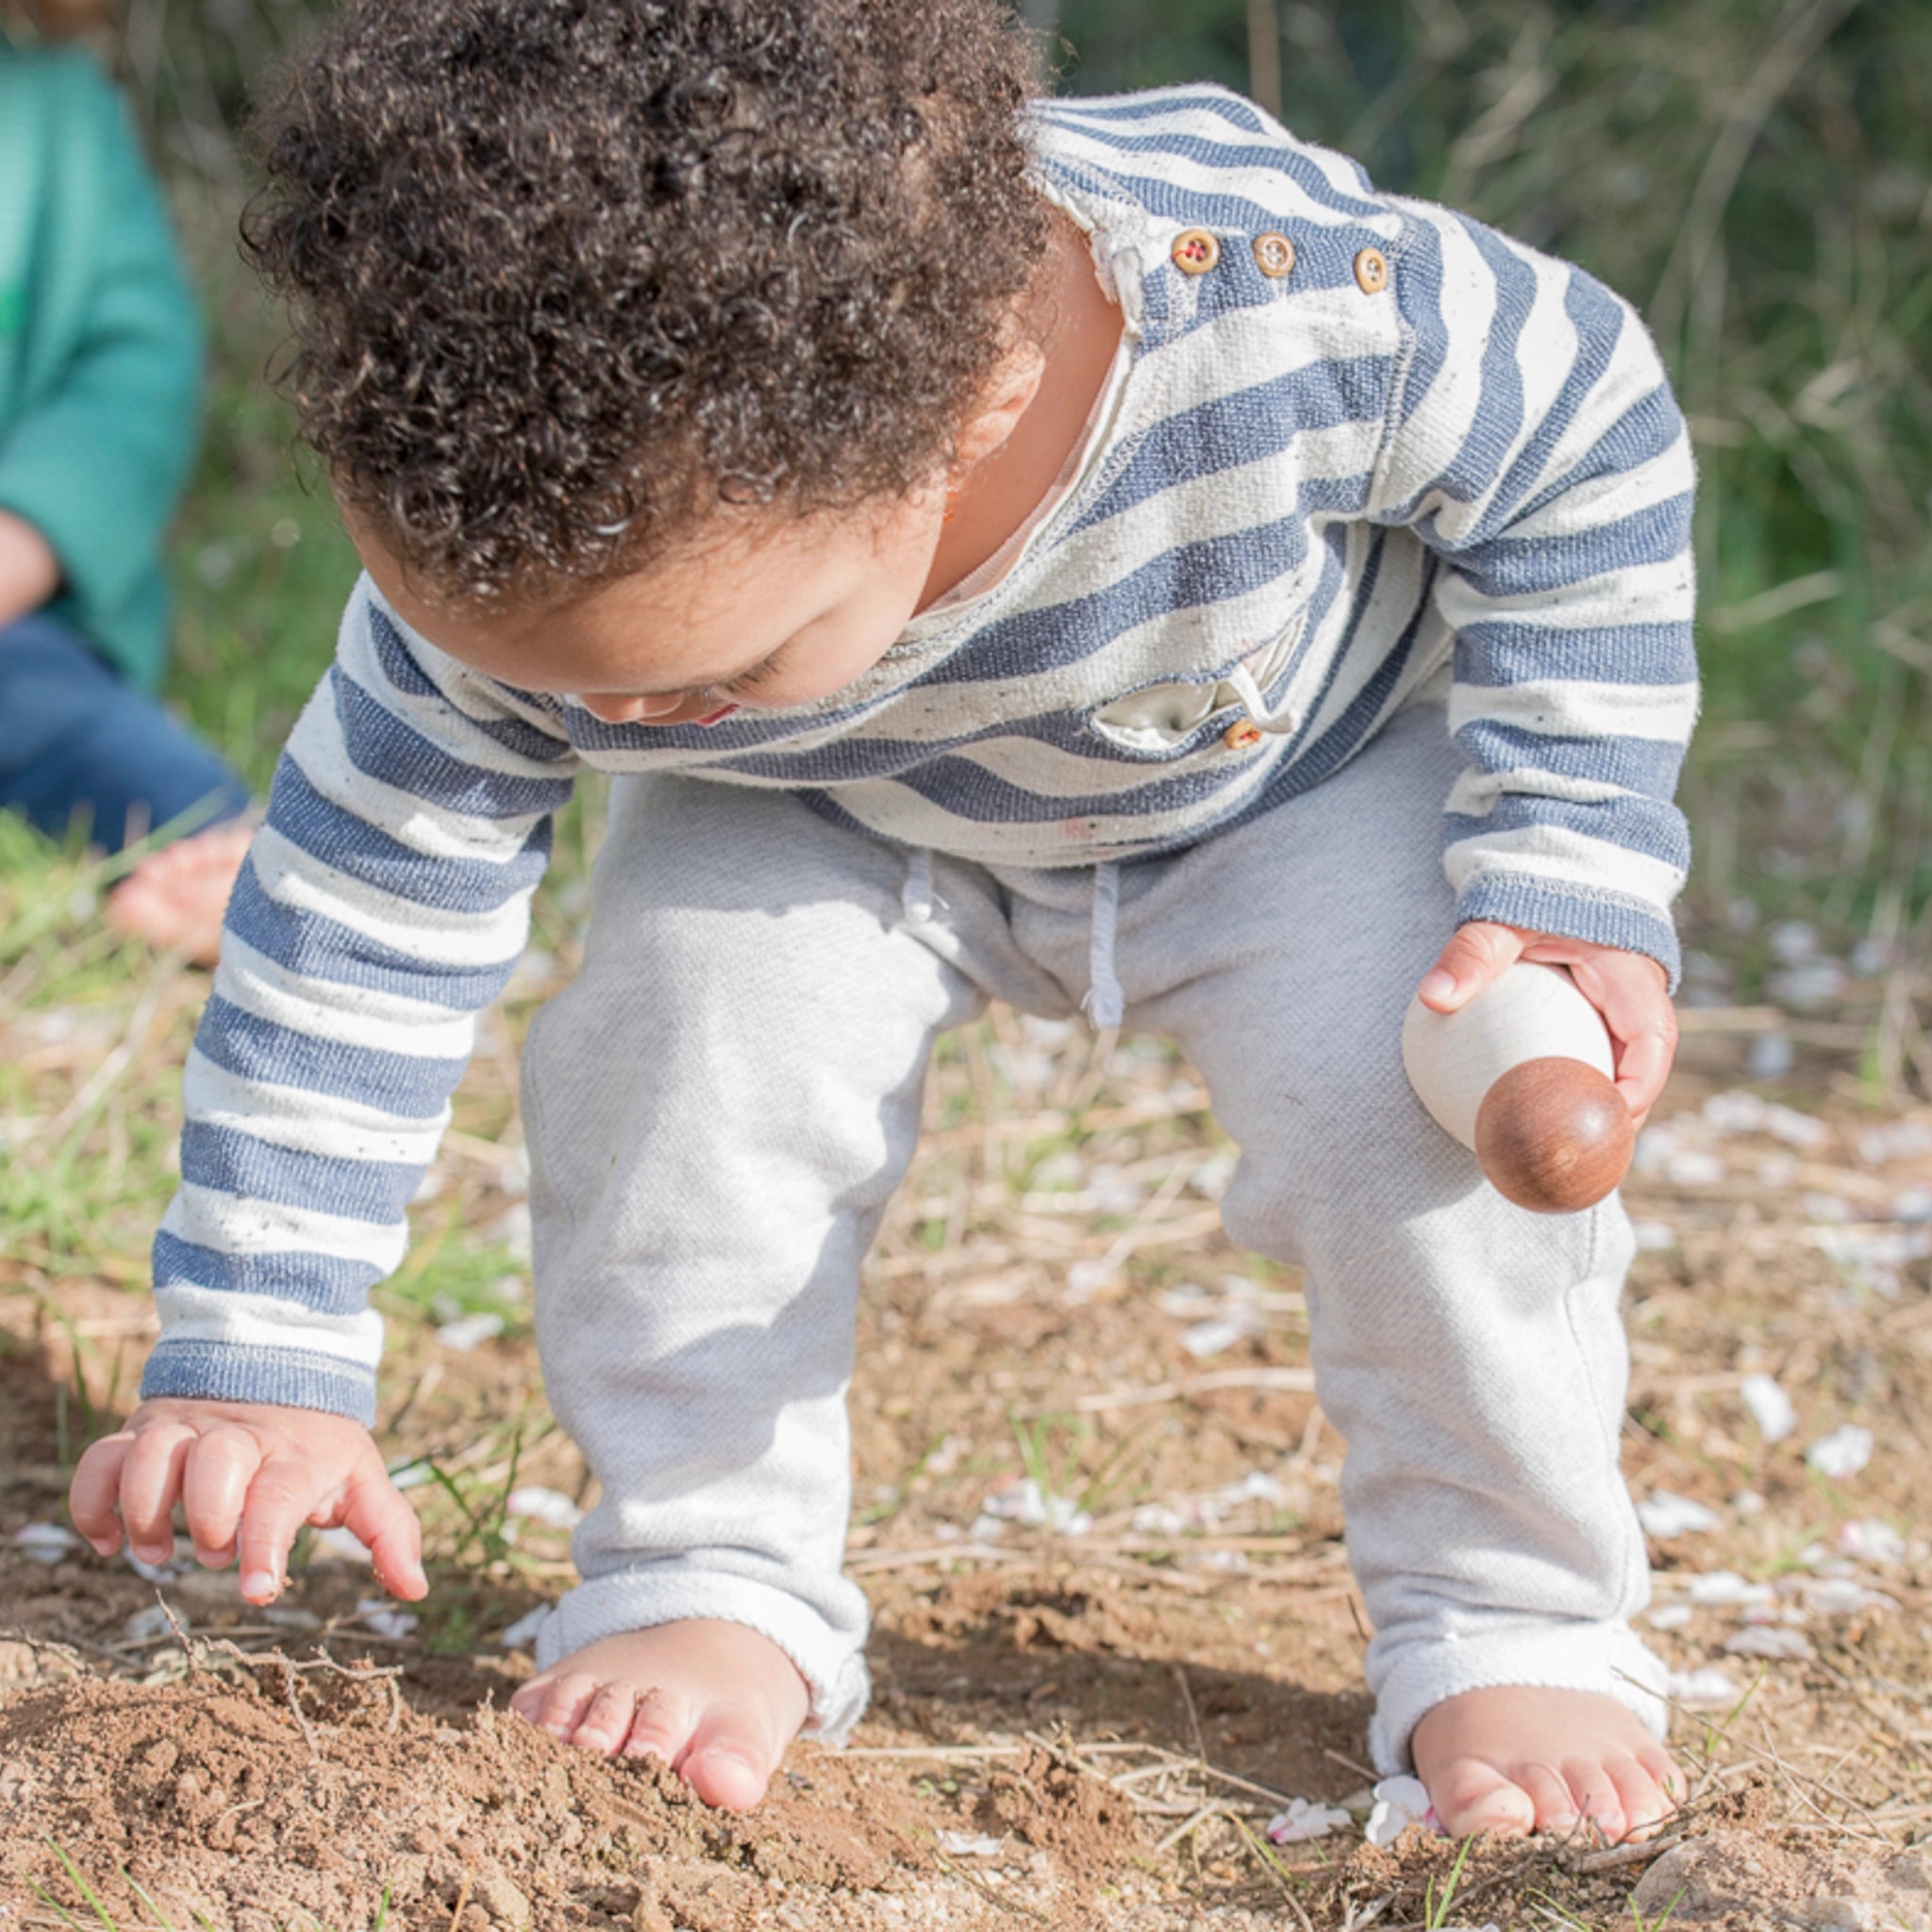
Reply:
x=267 y=1797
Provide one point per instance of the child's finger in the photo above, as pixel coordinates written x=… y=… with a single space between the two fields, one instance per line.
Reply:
x=377 y=1511
x=1643 y=1066
x=95 y=1487
x=1477 y=952
x=214 y=1487
x=150 y=1483
x=278 y=1502
x=1628 y=991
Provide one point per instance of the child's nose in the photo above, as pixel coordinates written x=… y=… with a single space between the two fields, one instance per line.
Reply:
x=633 y=710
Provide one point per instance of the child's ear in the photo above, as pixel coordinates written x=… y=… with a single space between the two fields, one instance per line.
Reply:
x=1005 y=400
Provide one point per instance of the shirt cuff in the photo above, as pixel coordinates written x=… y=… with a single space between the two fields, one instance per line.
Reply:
x=1572 y=912
x=290 y=1377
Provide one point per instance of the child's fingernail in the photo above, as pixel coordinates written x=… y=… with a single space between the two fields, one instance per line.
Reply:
x=106 y=1545
x=1438 y=986
x=260 y=1586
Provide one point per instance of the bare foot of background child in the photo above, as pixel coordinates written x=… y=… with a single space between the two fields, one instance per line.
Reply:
x=176 y=896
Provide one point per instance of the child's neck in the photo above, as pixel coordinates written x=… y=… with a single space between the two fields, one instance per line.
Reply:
x=1078 y=331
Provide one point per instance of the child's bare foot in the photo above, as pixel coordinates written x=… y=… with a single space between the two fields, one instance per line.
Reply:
x=716 y=1700
x=175 y=897
x=1519 y=1758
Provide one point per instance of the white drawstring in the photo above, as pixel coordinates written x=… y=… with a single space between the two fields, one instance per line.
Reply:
x=1275 y=723
x=916 y=897
x=1105 y=1002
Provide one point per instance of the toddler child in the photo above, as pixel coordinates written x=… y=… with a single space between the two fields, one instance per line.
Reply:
x=100 y=375
x=1005 y=548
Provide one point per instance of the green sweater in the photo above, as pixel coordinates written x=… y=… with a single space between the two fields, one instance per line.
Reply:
x=100 y=350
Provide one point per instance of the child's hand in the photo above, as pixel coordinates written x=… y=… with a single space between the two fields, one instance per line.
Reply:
x=1627 y=989
x=247 y=1473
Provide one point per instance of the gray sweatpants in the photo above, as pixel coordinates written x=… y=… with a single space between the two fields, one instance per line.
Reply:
x=720 y=1106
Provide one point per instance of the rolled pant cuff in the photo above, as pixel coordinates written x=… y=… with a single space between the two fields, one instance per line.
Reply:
x=1604 y=1657
x=831 y=1664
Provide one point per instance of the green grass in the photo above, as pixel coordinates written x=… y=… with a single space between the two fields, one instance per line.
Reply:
x=1755 y=177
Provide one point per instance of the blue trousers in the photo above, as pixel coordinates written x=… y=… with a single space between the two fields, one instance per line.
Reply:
x=76 y=741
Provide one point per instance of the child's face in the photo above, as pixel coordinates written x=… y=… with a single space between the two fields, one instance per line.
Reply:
x=764 y=612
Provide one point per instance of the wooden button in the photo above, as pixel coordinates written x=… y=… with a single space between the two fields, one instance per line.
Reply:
x=1371 y=270
x=1196 y=251
x=1239 y=736
x=1273 y=255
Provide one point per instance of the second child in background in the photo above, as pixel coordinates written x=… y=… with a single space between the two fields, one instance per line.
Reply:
x=100 y=382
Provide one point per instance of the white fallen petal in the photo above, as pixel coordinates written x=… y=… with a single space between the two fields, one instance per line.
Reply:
x=513 y=1228
x=1735 y=1112
x=962 y=1845
x=468 y=1332
x=523 y=1631
x=1025 y=1502
x=1218 y=1333
x=1258 y=1486
x=1693 y=1167
x=1305 y=1820
x=1653 y=1236
x=1792 y=941
x=1707 y=1689
x=1841 y=1453
x=1664 y=1514
x=550 y=1506
x=1770 y=1407
x=1767 y=1640
x=173 y=1571
x=1400 y=1801
x=1803 y=1131
x=1871 y=1540
x=1840 y=1596
x=146 y=1624
x=46 y=1543
x=1726 y=1586
x=1912 y=1203
x=373 y=1613
x=1668 y=1616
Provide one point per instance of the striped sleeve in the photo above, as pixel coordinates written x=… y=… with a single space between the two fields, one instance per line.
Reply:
x=1535 y=448
x=383 y=904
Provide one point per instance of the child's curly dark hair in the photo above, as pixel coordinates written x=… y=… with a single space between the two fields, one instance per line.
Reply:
x=567 y=273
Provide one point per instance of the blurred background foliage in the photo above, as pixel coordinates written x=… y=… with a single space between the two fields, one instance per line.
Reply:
x=1757 y=178
x=1757 y=174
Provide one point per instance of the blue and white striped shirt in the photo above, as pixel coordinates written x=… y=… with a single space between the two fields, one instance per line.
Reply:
x=1422 y=449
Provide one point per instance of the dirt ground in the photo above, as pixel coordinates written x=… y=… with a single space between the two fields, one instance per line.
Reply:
x=1096 y=1515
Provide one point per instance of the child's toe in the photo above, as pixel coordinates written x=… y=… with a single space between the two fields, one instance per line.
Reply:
x=1471 y=1796
x=728 y=1764
x=606 y=1718
x=1643 y=1788
x=557 y=1704
x=1594 y=1792
x=660 y=1728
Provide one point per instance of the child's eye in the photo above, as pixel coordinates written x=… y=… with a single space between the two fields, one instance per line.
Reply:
x=750 y=680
